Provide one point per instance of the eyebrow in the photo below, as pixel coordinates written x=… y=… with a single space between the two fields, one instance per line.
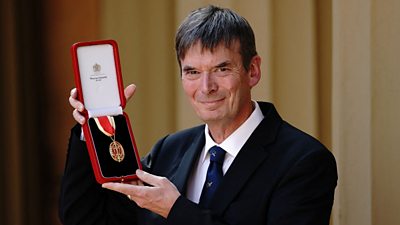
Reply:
x=223 y=64
x=220 y=65
x=187 y=68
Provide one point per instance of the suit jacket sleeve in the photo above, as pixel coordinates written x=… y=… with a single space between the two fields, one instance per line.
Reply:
x=82 y=200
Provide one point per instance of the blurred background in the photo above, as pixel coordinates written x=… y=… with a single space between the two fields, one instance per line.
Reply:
x=330 y=66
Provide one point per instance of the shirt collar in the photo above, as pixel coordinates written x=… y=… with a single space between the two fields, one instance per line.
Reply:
x=238 y=138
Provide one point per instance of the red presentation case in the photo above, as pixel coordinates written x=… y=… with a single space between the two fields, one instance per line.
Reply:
x=98 y=80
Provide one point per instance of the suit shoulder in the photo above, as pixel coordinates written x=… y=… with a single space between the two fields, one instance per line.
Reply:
x=171 y=148
x=296 y=149
x=299 y=143
x=179 y=139
x=186 y=134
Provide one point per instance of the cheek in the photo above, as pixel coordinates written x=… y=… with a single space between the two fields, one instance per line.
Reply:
x=189 y=88
x=238 y=93
x=233 y=87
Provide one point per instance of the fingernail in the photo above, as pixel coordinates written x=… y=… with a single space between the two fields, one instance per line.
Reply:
x=139 y=172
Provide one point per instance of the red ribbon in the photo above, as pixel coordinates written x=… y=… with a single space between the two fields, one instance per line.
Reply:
x=106 y=125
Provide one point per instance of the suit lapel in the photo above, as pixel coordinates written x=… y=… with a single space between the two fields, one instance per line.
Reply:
x=253 y=153
x=188 y=160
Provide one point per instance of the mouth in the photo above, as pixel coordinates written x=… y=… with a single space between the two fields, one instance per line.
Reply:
x=211 y=102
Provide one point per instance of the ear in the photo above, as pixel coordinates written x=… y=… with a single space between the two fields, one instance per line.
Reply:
x=254 y=71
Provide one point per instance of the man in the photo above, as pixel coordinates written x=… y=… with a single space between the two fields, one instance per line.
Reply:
x=264 y=171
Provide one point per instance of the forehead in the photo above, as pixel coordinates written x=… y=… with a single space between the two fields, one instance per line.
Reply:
x=222 y=52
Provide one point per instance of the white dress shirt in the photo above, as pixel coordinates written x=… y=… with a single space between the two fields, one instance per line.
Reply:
x=231 y=145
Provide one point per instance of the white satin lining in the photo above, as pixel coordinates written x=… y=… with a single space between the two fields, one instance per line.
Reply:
x=105 y=112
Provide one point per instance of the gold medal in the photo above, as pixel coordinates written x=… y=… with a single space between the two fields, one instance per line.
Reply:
x=107 y=126
x=117 y=151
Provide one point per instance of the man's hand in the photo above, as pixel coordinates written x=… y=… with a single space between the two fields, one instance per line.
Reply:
x=158 y=198
x=79 y=107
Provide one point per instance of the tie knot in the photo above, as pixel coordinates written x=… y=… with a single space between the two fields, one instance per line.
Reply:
x=217 y=154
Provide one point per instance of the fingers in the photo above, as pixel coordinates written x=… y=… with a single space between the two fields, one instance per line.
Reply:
x=129 y=91
x=136 y=182
x=78 y=117
x=74 y=102
x=134 y=192
x=158 y=198
x=150 y=179
x=77 y=105
x=144 y=177
x=126 y=189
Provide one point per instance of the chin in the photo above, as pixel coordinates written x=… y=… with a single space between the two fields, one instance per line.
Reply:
x=209 y=117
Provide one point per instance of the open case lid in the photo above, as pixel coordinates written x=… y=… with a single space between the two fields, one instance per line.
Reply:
x=98 y=77
x=98 y=80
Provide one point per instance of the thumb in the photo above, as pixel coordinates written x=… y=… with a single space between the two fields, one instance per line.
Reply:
x=148 y=178
x=129 y=91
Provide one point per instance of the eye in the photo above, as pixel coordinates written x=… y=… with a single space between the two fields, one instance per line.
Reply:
x=191 y=74
x=222 y=71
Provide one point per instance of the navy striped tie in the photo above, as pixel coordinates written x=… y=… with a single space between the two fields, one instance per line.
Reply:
x=214 y=175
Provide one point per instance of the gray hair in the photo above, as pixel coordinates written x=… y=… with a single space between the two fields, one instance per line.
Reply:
x=212 y=26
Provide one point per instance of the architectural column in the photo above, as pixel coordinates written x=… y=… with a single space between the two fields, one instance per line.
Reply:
x=385 y=89
x=294 y=63
x=351 y=110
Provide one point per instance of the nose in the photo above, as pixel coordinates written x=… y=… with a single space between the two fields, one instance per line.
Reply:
x=208 y=84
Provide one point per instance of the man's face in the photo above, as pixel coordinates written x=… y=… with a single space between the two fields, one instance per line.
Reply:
x=217 y=84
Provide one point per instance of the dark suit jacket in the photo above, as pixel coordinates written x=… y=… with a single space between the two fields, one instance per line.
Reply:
x=281 y=176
